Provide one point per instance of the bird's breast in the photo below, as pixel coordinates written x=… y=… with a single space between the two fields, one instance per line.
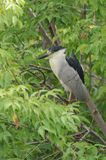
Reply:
x=57 y=62
x=57 y=65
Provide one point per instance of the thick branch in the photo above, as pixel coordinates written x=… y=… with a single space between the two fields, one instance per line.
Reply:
x=46 y=40
x=45 y=35
x=97 y=116
x=52 y=28
x=84 y=11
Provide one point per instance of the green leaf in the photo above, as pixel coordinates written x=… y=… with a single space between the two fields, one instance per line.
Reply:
x=41 y=132
x=14 y=20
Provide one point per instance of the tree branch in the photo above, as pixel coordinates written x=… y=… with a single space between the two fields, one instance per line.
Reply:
x=93 y=133
x=28 y=69
x=84 y=11
x=52 y=28
x=40 y=67
x=46 y=39
x=96 y=115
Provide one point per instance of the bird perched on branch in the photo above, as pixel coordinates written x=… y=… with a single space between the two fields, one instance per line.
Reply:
x=70 y=74
x=67 y=70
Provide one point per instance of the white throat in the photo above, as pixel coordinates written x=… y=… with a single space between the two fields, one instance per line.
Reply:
x=56 y=61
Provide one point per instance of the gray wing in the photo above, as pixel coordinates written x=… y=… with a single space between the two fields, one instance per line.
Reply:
x=73 y=62
x=70 y=78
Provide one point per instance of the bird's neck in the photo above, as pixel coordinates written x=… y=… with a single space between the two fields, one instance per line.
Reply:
x=56 y=62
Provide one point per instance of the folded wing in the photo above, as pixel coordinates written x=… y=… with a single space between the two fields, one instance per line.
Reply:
x=73 y=62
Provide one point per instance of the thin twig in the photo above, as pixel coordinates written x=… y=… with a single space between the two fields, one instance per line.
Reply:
x=94 y=133
x=63 y=99
x=31 y=151
x=48 y=156
x=86 y=133
x=35 y=142
x=40 y=67
x=15 y=78
x=28 y=69
x=98 y=136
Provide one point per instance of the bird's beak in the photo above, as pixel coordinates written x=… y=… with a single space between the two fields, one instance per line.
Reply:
x=44 y=55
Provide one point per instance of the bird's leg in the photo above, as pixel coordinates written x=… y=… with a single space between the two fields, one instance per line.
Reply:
x=71 y=98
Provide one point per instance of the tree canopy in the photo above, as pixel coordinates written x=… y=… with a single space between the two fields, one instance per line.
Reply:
x=35 y=123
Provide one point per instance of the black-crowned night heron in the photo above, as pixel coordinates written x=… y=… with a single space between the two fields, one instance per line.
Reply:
x=70 y=74
x=68 y=71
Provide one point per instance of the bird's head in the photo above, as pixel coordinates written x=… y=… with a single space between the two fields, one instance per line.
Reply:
x=54 y=50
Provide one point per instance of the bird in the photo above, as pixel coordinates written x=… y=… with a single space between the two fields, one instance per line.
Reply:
x=70 y=74
x=68 y=71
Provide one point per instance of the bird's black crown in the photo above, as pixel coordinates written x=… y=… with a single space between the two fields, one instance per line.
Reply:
x=55 y=48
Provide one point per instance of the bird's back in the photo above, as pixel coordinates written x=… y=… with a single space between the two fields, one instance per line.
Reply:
x=73 y=62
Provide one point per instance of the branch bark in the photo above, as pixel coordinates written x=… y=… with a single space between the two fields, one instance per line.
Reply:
x=52 y=28
x=84 y=11
x=94 y=133
x=46 y=39
x=97 y=116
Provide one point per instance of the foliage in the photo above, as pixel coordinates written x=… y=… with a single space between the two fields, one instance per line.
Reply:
x=34 y=124
x=27 y=120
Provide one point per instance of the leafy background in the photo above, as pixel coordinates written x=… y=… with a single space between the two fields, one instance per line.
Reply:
x=34 y=123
